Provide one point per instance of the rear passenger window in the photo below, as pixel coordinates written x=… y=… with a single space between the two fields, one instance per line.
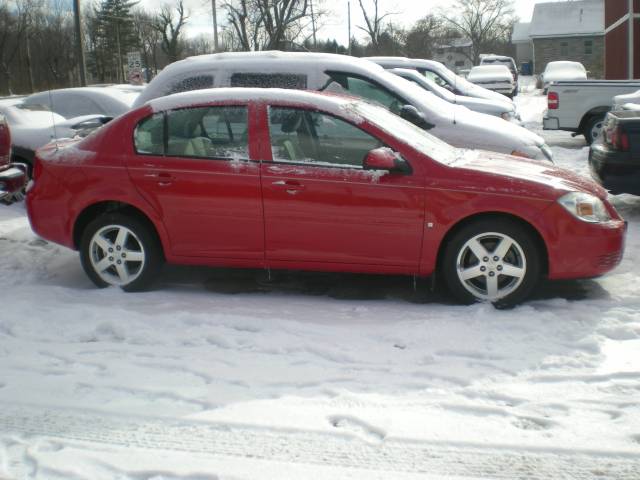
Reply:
x=197 y=82
x=208 y=132
x=269 y=80
x=149 y=135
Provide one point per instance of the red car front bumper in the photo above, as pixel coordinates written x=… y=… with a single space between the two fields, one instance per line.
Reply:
x=587 y=251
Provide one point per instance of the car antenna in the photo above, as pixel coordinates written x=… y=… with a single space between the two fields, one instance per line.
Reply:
x=53 y=116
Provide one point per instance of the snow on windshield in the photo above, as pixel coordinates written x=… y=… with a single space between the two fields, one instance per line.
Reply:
x=407 y=133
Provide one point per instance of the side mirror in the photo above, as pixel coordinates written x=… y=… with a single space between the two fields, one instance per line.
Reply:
x=384 y=158
x=411 y=114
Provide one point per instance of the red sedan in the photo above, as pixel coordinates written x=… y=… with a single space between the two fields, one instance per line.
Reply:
x=297 y=180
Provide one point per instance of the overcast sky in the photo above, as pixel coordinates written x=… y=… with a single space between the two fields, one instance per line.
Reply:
x=408 y=11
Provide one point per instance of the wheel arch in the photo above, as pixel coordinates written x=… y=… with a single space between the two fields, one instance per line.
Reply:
x=496 y=215
x=594 y=112
x=92 y=211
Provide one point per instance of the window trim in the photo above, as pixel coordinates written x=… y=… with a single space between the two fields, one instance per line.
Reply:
x=325 y=165
x=165 y=134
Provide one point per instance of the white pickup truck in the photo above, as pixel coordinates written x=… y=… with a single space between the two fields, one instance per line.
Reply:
x=580 y=106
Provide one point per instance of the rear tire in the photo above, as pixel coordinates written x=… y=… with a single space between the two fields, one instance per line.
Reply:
x=593 y=128
x=120 y=250
x=494 y=261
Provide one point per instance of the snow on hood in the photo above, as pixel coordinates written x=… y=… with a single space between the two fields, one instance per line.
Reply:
x=461 y=127
x=485 y=73
x=520 y=173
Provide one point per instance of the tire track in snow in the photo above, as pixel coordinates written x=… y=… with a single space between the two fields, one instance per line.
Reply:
x=315 y=448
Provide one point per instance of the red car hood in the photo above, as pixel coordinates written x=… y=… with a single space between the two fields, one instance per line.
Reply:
x=520 y=176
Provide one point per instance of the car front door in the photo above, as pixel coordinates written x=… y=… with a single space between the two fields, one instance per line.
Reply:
x=194 y=166
x=321 y=207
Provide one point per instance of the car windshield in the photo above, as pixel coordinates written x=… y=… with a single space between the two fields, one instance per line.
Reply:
x=407 y=133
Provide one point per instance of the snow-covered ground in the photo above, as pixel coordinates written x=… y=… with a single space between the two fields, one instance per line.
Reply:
x=227 y=374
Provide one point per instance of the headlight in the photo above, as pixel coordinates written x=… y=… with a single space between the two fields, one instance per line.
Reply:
x=585 y=206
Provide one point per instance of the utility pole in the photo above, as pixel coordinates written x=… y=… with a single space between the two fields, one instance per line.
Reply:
x=349 y=22
x=313 y=25
x=630 y=53
x=215 y=25
x=80 y=49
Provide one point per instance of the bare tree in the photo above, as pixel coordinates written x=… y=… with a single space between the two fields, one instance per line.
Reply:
x=149 y=38
x=484 y=22
x=170 y=28
x=270 y=24
x=374 y=23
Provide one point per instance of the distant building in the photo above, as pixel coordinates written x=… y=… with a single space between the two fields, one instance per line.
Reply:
x=619 y=45
x=455 y=54
x=522 y=40
x=570 y=30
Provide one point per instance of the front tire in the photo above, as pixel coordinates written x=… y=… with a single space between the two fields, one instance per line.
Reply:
x=593 y=128
x=119 y=250
x=494 y=261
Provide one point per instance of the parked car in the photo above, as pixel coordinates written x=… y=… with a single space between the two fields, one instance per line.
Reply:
x=31 y=129
x=496 y=78
x=109 y=101
x=629 y=101
x=614 y=159
x=508 y=62
x=562 y=71
x=12 y=176
x=580 y=106
x=440 y=74
x=271 y=178
x=503 y=109
x=343 y=74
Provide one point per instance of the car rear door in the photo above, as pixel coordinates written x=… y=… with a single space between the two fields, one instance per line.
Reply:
x=194 y=165
x=322 y=208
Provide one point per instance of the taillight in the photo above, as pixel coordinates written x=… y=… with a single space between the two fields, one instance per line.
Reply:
x=617 y=138
x=553 y=100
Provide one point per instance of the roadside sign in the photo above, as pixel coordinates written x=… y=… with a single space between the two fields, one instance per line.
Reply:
x=134 y=66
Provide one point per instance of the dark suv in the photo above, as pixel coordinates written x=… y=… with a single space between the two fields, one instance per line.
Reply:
x=614 y=157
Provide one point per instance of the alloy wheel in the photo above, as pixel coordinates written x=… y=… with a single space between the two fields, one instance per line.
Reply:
x=117 y=255
x=491 y=266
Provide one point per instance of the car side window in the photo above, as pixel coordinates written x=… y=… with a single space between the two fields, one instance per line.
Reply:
x=366 y=89
x=148 y=136
x=305 y=136
x=197 y=82
x=436 y=78
x=208 y=132
x=269 y=80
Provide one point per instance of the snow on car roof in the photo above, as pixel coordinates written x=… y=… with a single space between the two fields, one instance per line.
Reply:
x=329 y=102
x=564 y=65
x=264 y=62
x=406 y=61
x=490 y=71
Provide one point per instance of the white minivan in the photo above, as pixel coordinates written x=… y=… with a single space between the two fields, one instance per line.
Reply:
x=454 y=124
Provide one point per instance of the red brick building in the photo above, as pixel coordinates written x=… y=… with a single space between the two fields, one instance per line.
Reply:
x=618 y=43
